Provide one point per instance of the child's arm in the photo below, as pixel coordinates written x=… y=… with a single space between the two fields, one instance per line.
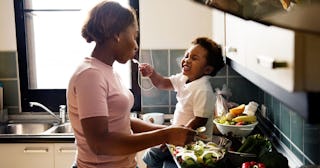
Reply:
x=157 y=80
x=197 y=122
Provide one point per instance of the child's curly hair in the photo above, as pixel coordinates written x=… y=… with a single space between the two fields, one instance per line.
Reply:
x=214 y=55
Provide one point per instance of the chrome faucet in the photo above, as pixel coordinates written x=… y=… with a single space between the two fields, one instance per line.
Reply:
x=62 y=111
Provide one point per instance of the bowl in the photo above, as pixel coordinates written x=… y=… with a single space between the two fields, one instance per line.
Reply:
x=235 y=130
x=223 y=146
x=155 y=118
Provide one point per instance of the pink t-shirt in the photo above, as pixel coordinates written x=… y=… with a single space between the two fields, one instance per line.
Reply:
x=96 y=90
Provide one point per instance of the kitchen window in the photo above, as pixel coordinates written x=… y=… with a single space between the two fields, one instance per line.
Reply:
x=50 y=47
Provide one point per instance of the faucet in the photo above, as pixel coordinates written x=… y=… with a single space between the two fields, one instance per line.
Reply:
x=62 y=111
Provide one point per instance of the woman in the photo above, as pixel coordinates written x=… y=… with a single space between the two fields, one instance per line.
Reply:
x=99 y=105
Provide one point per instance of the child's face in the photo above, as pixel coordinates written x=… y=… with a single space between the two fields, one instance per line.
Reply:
x=194 y=63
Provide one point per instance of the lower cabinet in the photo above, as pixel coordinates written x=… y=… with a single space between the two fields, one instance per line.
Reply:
x=64 y=155
x=37 y=155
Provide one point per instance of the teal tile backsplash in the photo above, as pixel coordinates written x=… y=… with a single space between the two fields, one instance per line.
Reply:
x=8 y=65
x=9 y=78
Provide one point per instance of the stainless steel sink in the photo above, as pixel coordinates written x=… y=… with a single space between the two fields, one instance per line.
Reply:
x=60 y=129
x=25 y=128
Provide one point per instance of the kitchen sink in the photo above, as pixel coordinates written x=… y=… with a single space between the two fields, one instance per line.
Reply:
x=25 y=128
x=60 y=129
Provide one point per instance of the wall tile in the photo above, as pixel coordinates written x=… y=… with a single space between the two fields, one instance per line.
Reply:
x=285 y=120
x=154 y=96
x=10 y=93
x=222 y=72
x=156 y=109
x=231 y=72
x=218 y=82
x=8 y=65
x=311 y=141
x=175 y=61
x=276 y=111
x=160 y=61
x=173 y=98
x=242 y=90
x=296 y=125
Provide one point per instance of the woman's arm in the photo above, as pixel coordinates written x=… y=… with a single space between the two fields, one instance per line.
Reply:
x=138 y=126
x=103 y=142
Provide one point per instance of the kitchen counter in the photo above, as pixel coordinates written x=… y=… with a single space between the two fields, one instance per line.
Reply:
x=11 y=138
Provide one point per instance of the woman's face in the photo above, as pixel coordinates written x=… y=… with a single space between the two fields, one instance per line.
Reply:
x=194 y=63
x=127 y=46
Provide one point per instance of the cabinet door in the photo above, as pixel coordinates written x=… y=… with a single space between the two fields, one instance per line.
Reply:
x=64 y=155
x=236 y=38
x=26 y=155
x=270 y=52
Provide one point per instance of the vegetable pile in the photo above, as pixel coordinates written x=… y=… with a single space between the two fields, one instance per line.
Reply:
x=198 y=154
x=262 y=147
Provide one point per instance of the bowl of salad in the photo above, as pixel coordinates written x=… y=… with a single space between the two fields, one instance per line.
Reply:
x=201 y=154
x=236 y=129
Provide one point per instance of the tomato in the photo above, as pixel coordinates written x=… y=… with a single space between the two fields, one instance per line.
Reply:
x=240 y=123
x=246 y=165
x=261 y=165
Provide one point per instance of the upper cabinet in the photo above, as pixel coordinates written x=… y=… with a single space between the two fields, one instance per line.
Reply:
x=281 y=60
x=285 y=57
x=299 y=15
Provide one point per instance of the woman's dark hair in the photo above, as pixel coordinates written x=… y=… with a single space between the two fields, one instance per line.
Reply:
x=214 y=55
x=107 y=19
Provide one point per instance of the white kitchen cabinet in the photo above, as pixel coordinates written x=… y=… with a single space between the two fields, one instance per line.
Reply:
x=64 y=154
x=26 y=155
x=287 y=58
x=37 y=155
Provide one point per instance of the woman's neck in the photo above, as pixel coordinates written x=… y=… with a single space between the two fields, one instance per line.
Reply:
x=103 y=53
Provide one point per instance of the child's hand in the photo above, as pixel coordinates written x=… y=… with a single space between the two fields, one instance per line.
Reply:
x=146 y=69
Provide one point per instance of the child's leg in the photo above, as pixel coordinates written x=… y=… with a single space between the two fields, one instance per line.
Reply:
x=154 y=157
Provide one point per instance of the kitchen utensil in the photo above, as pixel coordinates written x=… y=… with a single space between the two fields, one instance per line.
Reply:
x=135 y=61
x=201 y=130
x=235 y=130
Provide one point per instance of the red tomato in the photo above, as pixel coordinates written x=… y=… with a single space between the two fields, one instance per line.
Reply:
x=261 y=165
x=246 y=165
x=240 y=123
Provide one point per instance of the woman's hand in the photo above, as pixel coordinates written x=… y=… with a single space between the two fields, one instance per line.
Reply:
x=146 y=69
x=180 y=135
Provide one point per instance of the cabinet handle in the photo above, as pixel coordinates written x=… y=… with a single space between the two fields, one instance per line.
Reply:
x=67 y=149
x=271 y=63
x=36 y=150
x=232 y=49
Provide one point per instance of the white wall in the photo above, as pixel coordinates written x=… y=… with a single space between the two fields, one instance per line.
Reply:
x=7 y=26
x=172 y=24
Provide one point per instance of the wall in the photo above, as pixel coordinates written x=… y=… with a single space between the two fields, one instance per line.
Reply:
x=186 y=22
x=7 y=28
x=8 y=57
